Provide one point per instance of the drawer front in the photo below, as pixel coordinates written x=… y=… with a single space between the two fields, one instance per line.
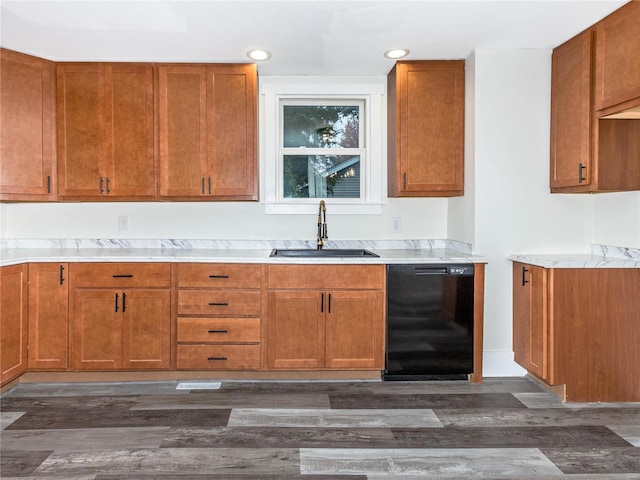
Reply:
x=218 y=357
x=121 y=275
x=319 y=277
x=219 y=302
x=218 y=275
x=219 y=330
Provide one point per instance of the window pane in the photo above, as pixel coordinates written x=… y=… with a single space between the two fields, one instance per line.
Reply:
x=321 y=126
x=321 y=176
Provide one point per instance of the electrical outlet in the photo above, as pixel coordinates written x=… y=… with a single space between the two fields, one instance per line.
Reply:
x=123 y=223
x=396 y=224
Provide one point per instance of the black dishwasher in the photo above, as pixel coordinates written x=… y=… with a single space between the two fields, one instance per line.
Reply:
x=429 y=322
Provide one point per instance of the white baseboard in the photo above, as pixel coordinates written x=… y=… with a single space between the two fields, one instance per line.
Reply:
x=501 y=364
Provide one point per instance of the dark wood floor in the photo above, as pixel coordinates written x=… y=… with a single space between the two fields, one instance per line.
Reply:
x=503 y=428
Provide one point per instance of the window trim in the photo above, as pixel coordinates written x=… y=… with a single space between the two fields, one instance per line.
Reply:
x=371 y=91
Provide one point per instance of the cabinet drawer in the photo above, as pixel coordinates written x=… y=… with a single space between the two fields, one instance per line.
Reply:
x=121 y=275
x=219 y=302
x=218 y=357
x=326 y=276
x=218 y=275
x=219 y=330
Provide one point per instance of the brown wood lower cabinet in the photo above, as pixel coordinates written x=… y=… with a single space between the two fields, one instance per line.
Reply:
x=579 y=328
x=338 y=327
x=120 y=328
x=48 y=316
x=13 y=321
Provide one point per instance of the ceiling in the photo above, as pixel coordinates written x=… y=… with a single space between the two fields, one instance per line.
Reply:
x=305 y=37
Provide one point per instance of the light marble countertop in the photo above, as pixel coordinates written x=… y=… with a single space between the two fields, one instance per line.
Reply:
x=602 y=256
x=390 y=252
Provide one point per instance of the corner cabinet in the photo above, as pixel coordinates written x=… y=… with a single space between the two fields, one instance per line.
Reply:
x=595 y=98
x=577 y=329
x=13 y=321
x=120 y=316
x=426 y=129
x=325 y=317
x=27 y=145
x=105 y=131
x=207 y=116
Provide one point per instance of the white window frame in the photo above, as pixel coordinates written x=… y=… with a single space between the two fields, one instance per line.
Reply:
x=368 y=90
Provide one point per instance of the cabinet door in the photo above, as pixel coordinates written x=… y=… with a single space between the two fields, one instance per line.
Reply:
x=426 y=144
x=617 y=63
x=13 y=321
x=571 y=115
x=48 y=316
x=26 y=127
x=530 y=319
x=81 y=130
x=129 y=123
x=182 y=118
x=296 y=336
x=96 y=330
x=354 y=329
x=146 y=323
x=231 y=131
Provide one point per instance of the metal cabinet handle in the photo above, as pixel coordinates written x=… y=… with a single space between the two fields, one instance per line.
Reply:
x=209 y=185
x=581 y=167
x=101 y=188
x=124 y=302
x=329 y=304
x=122 y=276
x=61 y=274
x=218 y=276
x=404 y=181
x=524 y=280
x=48 y=183
x=108 y=191
x=218 y=331
x=322 y=303
x=218 y=304
x=202 y=186
x=217 y=358
x=116 y=302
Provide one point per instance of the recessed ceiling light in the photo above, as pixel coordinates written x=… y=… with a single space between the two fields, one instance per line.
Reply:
x=259 y=55
x=396 y=53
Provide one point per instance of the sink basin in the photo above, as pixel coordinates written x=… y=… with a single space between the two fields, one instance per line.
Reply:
x=329 y=252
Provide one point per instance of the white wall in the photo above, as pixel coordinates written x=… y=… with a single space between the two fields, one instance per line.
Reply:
x=514 y=211
x=616 y=219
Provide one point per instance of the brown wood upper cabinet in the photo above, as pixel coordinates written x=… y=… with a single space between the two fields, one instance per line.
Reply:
x=27 y=148
x=595 y=144
x=105 y=131
x=426 y=129
x=617 y=64
x=207 y=118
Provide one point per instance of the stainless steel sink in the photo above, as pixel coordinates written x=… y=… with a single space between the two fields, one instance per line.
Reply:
x=329 y=252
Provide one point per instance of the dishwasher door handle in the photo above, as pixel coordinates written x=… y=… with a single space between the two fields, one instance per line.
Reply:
x=430 y=271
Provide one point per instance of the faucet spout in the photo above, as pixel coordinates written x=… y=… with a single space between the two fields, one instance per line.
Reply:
x=322 y=225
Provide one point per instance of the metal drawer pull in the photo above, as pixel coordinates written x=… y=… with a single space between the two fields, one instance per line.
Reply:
x=218 y=304
x=524 y=279
x=122 y=276
x=217 y=358
x=218 y=331
x=218 y=276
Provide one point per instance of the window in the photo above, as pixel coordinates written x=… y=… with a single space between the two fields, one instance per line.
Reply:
x=319 y=143
x=322 y=149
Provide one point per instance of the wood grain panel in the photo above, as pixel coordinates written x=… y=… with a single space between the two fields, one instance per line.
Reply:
x=219 y=302
x=322 y=277
x=218 y=275
x=27 y=156
x=13 y=321
x=219 y=330
x=218 y=357
x=48 y=316
x=121 y=275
